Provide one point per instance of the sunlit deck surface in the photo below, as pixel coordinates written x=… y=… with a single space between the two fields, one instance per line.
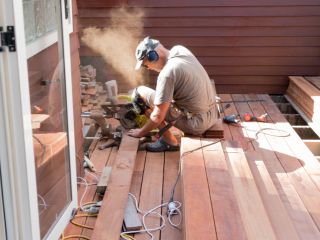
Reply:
x=257 y=183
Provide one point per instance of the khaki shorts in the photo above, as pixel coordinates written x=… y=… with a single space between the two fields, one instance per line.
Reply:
x=196 y=124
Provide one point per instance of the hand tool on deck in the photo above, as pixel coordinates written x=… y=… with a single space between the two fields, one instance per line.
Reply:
x=251 y=118
x=234 y=118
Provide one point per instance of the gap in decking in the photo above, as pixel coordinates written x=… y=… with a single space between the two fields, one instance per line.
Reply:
x=305 y=132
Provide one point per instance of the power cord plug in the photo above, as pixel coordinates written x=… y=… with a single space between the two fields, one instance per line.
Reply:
x=88 y=164
x=172 y=209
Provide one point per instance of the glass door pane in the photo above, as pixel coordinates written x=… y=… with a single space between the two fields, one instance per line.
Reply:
x=49 y=110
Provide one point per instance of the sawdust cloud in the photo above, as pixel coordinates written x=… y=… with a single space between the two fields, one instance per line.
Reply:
x=117 y=42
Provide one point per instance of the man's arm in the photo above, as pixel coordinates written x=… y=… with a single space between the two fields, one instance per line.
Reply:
x=156 y=118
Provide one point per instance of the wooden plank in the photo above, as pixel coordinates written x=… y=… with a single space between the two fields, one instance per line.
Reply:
x=103 y=181
x=216 y=131
x=252 y=11
x=226 y=211
x=132 y=221
x=234 y=31
x=244 y=21
x=254 y=215
x=226 y=130
x=244 y=51
x=109 y=221
x=197 y=208
x=37 y=119
x=151 y=195
x=245 y=88
x=171 y=168
x=306 y=96
x=137 y=177
x=241 y=42
x=280 y=220
x=217 y=3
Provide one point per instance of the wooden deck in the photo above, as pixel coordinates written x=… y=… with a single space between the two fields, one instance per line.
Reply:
x=249 y=186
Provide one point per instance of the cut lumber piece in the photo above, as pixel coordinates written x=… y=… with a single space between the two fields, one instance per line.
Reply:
x=216 y=131
x=132 y=221
x=103 y=181
x=171 y=169
x=37 y=119
x=281 y=222
x=226 y=211
x=151 y=194
x=110 y=218
x=237 y=131
x=198 y=215
x=46 y=145
x=255 y=218
x=306 y=96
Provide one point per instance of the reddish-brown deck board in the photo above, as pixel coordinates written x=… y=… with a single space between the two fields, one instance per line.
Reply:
x=225 y=207
x=198 y=214
x=171 y=168
x=137 y=176
x=281 y=223
x=151 y=191
x=109 y=221
x=252 y=210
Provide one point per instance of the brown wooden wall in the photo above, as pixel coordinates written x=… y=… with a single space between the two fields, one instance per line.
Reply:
x=245 y=45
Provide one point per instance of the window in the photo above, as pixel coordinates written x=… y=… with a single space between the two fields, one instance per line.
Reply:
x=40 y=24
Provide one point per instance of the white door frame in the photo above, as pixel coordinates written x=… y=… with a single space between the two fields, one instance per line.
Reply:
x=16 y=156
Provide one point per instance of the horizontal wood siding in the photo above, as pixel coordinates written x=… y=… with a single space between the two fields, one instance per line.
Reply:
x=249 y=45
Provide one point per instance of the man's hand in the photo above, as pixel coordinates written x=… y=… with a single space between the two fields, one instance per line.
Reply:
x=137 y=133
x=157 y=116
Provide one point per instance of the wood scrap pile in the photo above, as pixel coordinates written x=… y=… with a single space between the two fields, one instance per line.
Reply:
x=92 y=95
x=90 y=88
x=306 y=96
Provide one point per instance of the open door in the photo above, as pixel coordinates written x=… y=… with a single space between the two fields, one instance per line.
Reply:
x=37 y=144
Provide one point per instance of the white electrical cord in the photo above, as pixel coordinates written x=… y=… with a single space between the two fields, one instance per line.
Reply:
x=92 y=174
x=173 y=209
x=88 y=208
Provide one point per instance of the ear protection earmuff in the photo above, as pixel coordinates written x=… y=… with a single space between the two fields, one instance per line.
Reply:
x=151 y=54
